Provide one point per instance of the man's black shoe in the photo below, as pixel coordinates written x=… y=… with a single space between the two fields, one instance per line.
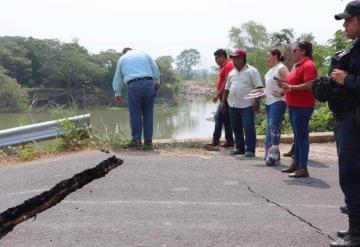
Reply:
x=344 y=210
x=349 y=241
x=213 y=144
x=342 y=233
x=148 y=145
x=237 y=152
x=228 y=145
x=134 y=144
x=249 y=154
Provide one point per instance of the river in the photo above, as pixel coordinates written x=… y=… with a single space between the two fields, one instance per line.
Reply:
x=187 y=120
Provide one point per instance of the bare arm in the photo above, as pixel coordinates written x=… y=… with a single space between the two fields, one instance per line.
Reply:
x=300 y=87
x=283 y=72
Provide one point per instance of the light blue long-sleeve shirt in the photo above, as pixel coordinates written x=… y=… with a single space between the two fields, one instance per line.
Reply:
x=134 y=64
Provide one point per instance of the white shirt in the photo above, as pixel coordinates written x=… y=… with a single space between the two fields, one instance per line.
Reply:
x=240 y=83
x=271 y=85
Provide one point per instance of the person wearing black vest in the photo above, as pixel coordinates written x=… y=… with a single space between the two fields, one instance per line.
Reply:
x=345 y=104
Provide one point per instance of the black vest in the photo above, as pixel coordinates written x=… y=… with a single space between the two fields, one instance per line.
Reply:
x=348 y=99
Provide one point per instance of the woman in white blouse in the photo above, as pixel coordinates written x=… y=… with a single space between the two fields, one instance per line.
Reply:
x=275 y=105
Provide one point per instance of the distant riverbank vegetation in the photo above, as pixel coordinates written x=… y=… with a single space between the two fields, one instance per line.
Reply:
x=47 y=72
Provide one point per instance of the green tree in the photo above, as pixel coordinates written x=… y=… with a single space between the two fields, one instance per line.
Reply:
x=321 y=54
x=308 y=37
x=283 y=38
x=13 y=57
x=236 y=37
x=43 y=55
x=12 y=96
x=107 y=60
x=251 y=35
x=167 y=72
x=339 y=41
x=168 y=77
x=257 y=58
x=186 y=61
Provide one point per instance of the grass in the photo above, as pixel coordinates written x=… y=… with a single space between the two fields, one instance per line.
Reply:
x=76 y=138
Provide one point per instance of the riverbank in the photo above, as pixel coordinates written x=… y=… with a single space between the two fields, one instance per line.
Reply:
x=316 y=137
x=196 y=88
x=25 y=153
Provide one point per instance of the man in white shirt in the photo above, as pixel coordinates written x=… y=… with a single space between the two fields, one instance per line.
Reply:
x=241 y=80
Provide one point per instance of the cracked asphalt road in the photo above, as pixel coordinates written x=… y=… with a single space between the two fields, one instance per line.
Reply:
x=179 y=198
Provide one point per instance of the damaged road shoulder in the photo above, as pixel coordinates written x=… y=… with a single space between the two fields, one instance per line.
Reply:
x=29 y=208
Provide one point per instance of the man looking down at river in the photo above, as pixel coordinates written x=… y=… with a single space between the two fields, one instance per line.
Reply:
x=240 y=82
x=222 y=116
x=141 y=75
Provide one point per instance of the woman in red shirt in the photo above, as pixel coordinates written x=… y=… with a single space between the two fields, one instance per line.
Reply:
x=301 y=102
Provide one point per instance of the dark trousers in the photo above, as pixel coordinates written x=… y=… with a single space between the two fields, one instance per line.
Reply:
x=242 y=120
x=348 y=147
x=299 y=118
x=141 y=96
x=223 y=118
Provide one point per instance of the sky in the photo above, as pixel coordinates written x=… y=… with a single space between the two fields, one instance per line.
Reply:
x=163 y=27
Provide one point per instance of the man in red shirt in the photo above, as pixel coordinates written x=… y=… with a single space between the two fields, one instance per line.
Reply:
x=222 y=117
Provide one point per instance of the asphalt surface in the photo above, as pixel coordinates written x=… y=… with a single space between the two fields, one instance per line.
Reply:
x=179 y=198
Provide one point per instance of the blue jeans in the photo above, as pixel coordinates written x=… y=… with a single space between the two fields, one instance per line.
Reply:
x=299 y=118
x=242 y=120
x=141 y=96
x=223 y=118
x=347 y=136
x=274 y=116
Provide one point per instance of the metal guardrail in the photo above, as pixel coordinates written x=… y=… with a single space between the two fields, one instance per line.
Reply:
x=39 y=131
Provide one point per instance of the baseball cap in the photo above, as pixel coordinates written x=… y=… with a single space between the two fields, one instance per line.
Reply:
x=238 y=53
x=351 y=9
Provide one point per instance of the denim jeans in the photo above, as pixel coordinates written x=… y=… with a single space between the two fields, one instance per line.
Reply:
x=242 y=120
x=223 y=118
x=299 y=118
x=347 y=137
x=141 y=96
x=274 y=116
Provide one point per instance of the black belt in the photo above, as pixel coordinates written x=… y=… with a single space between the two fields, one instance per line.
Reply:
x=140 y=79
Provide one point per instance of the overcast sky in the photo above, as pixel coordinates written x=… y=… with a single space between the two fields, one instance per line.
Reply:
x=163 y=27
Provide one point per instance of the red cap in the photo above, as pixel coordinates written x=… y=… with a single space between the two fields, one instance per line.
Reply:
x=238 y=53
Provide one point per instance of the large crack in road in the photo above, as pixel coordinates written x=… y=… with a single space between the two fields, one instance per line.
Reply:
x=31 y=207
x=317 y=229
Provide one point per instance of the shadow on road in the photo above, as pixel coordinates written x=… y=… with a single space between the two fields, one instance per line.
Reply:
x=311 y=182
x=317 y=164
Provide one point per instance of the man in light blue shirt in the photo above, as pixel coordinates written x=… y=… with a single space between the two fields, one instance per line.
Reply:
x=140 y=73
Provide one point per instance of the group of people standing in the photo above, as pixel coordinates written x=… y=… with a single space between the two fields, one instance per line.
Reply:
x=283 y=89
x=293 y=90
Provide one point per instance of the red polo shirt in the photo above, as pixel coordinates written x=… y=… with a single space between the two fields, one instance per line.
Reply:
x=303 y=71
x=223 y=74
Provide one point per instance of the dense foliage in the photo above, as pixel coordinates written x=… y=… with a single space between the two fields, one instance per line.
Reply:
x=12 y=96
x=186 y=61
x=54 y=72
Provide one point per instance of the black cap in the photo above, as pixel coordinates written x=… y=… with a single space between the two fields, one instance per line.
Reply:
x=352 y=9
